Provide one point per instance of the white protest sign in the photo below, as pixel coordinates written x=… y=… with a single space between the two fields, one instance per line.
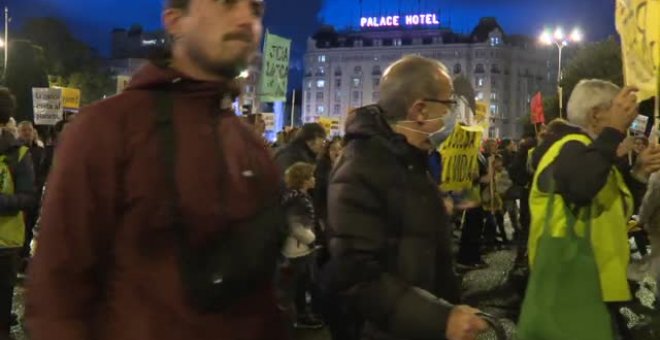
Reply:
x=47 y=104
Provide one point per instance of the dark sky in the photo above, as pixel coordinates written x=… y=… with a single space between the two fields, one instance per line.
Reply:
x=92 y=20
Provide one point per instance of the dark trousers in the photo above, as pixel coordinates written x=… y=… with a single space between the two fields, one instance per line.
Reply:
x=8 y=270
x=619 y=323
x=511 y=207
x=642 y=241
x=301 y=283
x=470 y=244
x=501 y=231
x=494 y=227
x=525 y=223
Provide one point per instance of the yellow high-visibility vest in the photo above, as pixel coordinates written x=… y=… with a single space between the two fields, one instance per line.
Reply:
x=610 y=212
x=12 y=228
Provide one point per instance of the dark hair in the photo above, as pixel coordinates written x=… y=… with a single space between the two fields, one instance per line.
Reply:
x=309 y=132
x=297 y=174
x=7 y=105
x=180 y=4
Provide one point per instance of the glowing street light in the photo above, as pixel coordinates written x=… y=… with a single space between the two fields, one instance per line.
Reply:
x=561 y=40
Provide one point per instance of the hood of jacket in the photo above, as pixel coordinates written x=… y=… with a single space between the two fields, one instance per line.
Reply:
x=155 y=77
x=369 y=122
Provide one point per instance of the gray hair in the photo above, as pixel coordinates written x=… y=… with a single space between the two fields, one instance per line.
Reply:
x=407 y=80
x=589 y=95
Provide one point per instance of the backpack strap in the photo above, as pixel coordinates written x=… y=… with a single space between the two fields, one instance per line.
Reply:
x=168 y=152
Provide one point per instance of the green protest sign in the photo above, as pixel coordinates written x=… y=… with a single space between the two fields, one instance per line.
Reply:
x=275 y=71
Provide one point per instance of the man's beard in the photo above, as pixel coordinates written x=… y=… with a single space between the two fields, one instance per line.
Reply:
x=225 y=69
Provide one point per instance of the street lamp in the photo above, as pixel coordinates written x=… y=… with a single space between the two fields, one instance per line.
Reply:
x=561 y=40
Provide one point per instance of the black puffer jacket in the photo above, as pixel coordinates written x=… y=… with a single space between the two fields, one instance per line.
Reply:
x=293 y=153
x=391 y=258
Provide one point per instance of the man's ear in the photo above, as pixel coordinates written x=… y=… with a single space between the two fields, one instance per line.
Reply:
x=593 y=117
x=417 y=112
x=172 y=21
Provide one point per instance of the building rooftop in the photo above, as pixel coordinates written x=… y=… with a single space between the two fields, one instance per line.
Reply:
x=487 y=29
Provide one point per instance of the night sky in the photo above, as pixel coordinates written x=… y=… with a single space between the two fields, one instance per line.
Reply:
x=93 y=20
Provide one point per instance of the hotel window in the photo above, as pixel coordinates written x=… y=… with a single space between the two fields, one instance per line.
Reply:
x=309 y=84
x=321 y=59
x=493 y=109
x=397 y=42
x=338 y=71
x=376 y=82
x=356 y=82
x=357 y=70
x=479 y=96
x=320 y=84
x=458 y=68
x=338 y=96
x=479 y=81
x=479 y=68
x=337 y=109
x=308 y=95
x=319 y=96
x=376 y=70
x=493 y=96
x=356 y=96
x=338 y=82
x=320 y=109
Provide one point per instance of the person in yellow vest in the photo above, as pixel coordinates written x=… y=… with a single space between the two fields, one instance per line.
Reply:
x=17 y=194
x=581 y=166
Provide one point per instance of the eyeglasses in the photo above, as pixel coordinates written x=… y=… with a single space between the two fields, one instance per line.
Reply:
x=449 y=103
x=258 y=6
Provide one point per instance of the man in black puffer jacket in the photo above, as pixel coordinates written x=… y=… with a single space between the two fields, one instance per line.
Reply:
x=305 y=147
x=391 y=259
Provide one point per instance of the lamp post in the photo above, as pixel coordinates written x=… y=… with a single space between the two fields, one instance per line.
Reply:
x=561 y=40
x=5 y=42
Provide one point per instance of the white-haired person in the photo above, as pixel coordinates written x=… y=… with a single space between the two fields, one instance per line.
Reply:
x=579 y=184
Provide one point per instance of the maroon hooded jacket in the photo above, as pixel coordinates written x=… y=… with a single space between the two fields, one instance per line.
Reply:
x=106 y=265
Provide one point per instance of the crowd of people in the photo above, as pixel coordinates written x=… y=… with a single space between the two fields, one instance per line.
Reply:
x=180 y=221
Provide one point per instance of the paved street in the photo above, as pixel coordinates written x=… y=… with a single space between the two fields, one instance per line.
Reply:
x=495 y=291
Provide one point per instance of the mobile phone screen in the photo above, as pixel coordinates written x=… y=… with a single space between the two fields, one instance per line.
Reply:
x=640 y=125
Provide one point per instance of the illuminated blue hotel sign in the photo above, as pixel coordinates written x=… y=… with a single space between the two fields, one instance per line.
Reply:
x=400 y=21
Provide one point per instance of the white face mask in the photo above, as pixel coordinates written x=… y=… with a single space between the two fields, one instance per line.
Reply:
x=415 y=130
x=440 y=136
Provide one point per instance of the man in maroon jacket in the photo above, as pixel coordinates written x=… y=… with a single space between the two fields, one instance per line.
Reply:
x=107 y=260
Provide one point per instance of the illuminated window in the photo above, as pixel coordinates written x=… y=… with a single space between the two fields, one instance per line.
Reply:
x=320 y=84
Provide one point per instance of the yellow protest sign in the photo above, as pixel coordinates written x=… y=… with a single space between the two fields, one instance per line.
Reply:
x=638 y=23
x=460 y=161
x=70 y=98
x=122 y=83
x=481 y=115
x=326 y=123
